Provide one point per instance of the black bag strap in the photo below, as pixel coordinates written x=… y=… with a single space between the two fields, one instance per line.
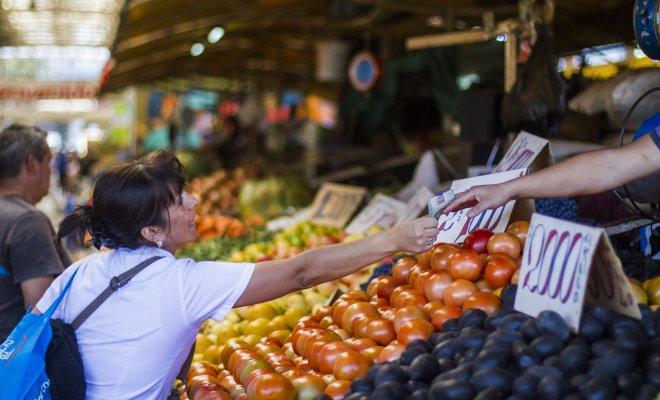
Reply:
x=115 y=283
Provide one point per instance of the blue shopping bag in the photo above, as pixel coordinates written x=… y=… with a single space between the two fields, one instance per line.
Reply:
x=23 y=354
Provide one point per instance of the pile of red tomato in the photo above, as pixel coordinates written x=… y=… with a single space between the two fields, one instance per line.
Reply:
x=339 y=343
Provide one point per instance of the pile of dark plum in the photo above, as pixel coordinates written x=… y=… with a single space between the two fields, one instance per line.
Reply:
x=511 y=355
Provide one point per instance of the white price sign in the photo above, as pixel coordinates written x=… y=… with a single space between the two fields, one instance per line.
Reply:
x=416 y=205
x=523 y=151
x=334 y=204
x=382 y=210
x=564 y=263
x=456 y=225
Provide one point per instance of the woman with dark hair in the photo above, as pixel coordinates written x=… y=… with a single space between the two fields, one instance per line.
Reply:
x=135 y=343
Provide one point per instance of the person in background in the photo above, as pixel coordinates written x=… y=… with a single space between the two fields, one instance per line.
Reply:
x=30 y=257
x=134 y=345
x=588 y=173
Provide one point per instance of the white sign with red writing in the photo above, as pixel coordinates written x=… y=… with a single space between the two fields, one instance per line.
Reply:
x=39 y=91
x=382 y=210
x=334 y=204
x=523 y=151
x=456 y=225
x=564 y=263
x=416 y=205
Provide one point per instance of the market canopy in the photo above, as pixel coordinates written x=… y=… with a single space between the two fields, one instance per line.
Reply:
x=273 y=42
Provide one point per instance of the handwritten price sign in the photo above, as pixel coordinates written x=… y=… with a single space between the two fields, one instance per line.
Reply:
x=456 y=225
x=523 y=152
x=562 y=261
x=334 y=204
x=382 y=210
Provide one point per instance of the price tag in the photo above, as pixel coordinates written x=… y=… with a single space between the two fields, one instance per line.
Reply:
x=456 y=225
x=564 y=263
x=524 y=151
x=334 y=204
x=382 y=210
x=415 y=205
x=286 y=221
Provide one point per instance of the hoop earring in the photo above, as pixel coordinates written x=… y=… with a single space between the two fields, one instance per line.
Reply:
x=159 y=244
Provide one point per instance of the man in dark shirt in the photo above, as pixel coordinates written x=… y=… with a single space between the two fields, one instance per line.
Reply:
x=30 y=258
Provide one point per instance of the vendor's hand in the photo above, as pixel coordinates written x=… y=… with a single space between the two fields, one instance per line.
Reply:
x=480 y=198
x=416 y=236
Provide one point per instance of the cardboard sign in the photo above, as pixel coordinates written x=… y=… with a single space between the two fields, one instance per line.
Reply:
x=382 y=210
x=426 y=174
x=415 y=205
x=287 y=221
x=564 y=263
x=334 y=204
x=456 y=225
x=526 y=150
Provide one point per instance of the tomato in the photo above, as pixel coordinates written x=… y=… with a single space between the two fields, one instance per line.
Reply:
x=328 y=355
x=391 y=352
x=386 y=286
x=487 y=302
x=441 y=256
x=372 y=288
x=250 y=366
x=436 y=285
x=338 y=309
x=326 y=321
x=314 y=350
x=433 y=305
x=465 y=264
x=422 y=278
x=441 y=315
x=506 y=243
x=355 y=309
x=379 y=301
x=519 y=229
x=408 y=313
x=271 y=386
x=388 y=312
x=401 y=269
x=361 y=323
x=515 y=276
x=424 y=259
x=458 y=291
x=483 y=285
x=477 y=240
x=362 y=344
x=350 y=365
x=394 y=297
x=499 y=271
x=372 y=353
x=323 y=312
x=414 y=273
x=382 y=331
x=308 y=387
x=293 y=373
x=209 y=391
x=412 y=298
x=231 y=345
x=337 y=389
x=414 y=329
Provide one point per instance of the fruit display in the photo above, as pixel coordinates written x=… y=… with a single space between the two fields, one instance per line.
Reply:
x=273 y=197
x=221 y=248
x=218 y=193
x=436 y=325
x=289 y=242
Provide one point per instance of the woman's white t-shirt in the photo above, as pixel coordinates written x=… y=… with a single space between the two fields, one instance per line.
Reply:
x=134 y=344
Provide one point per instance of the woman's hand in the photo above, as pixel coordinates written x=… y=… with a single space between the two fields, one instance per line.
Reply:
x=480 y=198
x=415 y=236
x=275 y=278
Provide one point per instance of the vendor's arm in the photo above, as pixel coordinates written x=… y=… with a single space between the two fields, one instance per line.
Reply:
x=587 y=173
x=272 y=279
